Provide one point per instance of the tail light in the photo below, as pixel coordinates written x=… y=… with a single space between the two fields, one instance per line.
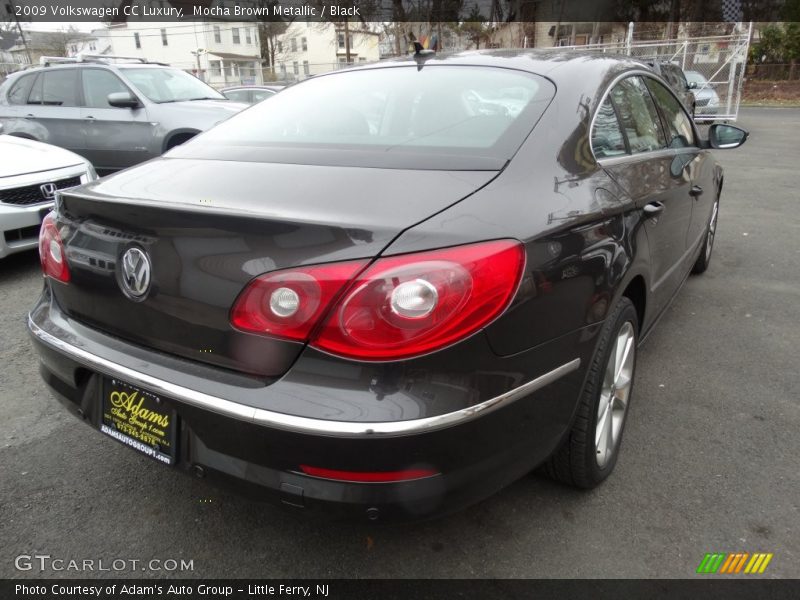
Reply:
x=399 y=307
x=51 y=251
x=287 y=304
x=369 y=476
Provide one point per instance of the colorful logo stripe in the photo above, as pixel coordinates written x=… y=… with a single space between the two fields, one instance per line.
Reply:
x=733 y=563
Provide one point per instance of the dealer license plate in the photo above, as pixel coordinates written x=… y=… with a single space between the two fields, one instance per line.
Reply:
x=139 y=419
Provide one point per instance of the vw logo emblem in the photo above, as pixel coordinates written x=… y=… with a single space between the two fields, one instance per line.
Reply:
x=135 y=274
x=48 y=190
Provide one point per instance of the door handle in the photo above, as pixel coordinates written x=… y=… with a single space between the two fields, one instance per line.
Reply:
x=89 y=118
x=653 y=209
x=29 y=116
x=696 y=191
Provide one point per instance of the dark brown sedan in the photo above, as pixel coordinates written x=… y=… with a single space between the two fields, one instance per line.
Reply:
x=390 y=290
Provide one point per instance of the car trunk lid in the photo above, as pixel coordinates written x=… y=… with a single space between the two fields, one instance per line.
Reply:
x=208 y=227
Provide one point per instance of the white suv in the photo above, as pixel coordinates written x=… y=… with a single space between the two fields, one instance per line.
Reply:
x=30 y=175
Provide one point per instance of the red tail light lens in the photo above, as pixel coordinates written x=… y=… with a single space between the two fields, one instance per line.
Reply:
x=399 y=307
x=288 y=304
x=368 y=476
x=51 y=251
x=408 y=305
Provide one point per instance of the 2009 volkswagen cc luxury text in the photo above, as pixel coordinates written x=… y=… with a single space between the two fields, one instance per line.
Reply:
x=391 y=290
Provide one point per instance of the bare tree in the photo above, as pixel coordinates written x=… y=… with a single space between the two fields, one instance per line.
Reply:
x=56 y=43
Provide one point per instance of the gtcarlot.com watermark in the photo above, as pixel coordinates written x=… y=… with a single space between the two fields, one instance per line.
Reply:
x=45 y=563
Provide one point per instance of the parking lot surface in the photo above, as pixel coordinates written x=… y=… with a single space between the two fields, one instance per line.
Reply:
x=709 y=462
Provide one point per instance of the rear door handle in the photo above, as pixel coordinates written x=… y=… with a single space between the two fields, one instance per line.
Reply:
x=696 y=191
x=653 y=209
x=30 y=116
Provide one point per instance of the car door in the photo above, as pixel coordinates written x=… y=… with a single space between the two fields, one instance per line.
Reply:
x=697 y=164
x=54 y=103
x=648 y=172
x=115 y=137
x=14 y=109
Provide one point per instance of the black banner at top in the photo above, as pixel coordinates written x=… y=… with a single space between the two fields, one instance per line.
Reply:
x=120 y=11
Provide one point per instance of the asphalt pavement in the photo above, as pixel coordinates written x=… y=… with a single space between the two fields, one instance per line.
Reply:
x=710 y=460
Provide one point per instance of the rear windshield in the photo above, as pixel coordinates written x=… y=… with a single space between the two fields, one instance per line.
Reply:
x=461 y=113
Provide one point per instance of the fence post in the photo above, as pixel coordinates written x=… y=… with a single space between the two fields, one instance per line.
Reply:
x=629 y=39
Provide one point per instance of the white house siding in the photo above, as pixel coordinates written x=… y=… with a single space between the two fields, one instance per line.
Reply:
x=312 y=48
x=222 y=60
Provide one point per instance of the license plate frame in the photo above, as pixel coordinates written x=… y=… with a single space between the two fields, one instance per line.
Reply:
x=139 y=419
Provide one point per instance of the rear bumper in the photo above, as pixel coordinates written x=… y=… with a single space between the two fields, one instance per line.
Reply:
x=476 y=450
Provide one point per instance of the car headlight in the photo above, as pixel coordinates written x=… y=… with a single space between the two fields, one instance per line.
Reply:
x=91 y=174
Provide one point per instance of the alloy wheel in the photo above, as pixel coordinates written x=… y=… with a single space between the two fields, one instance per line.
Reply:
x=615 y=394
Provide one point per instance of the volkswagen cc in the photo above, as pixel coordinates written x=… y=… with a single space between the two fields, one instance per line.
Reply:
x=383 y=293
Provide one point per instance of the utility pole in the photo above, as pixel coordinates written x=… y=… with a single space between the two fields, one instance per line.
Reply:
x=10 y=10
x=347 y=40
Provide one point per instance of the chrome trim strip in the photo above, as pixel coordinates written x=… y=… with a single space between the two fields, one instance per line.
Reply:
x=291 y=422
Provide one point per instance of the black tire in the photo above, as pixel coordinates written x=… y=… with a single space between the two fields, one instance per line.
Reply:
x=576 y=461
x=701 y=264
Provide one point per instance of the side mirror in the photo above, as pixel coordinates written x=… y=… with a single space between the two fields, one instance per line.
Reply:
x=724 y=137
x=692 y=85
x=122 y=100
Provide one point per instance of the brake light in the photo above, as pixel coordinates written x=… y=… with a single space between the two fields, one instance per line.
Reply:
x=287 y=304
x=368 y=476
x=411 y=304
x=398 y=307
x=51 y=251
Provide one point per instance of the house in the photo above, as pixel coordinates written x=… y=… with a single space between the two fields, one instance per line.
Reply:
x=219 y=52
x=8 y=40
x=309 y=48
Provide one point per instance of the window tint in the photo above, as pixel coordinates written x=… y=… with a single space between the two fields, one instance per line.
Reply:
x=259 y=95
x=98 y=84
x=238 y=95
x=679 y=127
x=607 y=138
x=439 y=109
x=638 y=115
x=19 y=92
x=56 y=88
x=169 y=85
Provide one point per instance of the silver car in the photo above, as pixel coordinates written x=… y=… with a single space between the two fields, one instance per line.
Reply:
x=114 y=114
x=30 y=175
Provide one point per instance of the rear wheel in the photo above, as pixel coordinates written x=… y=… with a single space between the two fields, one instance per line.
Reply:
x=701 y=264
x=588 y=454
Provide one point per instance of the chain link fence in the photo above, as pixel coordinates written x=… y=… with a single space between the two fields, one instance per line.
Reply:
x=714 y=67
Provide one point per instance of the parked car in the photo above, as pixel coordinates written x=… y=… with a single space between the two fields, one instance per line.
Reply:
x=250 y=94
x=675 y=77
x=116 y=114
x=391 y=310
x=706 y=97
x=30 y=175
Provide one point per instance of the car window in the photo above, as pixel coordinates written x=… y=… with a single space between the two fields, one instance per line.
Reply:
x=56 y=88
x=452 y=110
x=237 y=95
x=19 y=92
x=678 y=125
x=98 y=84
x=259 y=95
x=607 y=138
x=638 y=115
x=170 y=85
